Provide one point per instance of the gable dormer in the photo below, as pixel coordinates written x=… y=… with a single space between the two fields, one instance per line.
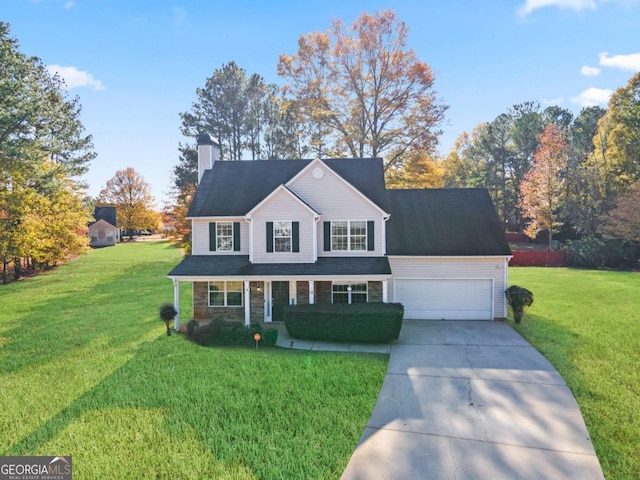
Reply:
x=353 y=224
x=283 y=229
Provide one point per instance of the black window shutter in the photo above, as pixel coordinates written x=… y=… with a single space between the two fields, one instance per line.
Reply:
x=370 y=236
x=236 y=236
x=327 y=236
x=295 y=236
x=269 y=236
x=212 y=236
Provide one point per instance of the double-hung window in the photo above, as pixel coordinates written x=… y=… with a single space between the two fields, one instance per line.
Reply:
x=349 y=293
x=224 y=236
x=349 y=235
x=282 y=236
x=225 y=294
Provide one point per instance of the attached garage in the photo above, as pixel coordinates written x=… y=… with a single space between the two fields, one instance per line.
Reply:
x=445 y=298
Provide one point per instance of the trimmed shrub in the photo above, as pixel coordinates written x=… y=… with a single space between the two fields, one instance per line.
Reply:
x=519 y=300
x=191 y=326
x=167 y=313
x=220 y=332
x=362 y=322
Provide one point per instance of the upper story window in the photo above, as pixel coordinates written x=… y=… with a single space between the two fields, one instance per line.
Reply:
x=349 y=235
x=282 y=236
x=224 y=236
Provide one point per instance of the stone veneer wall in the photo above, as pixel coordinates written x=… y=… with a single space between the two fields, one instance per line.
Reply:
x=257 y=301
x=302 y=291
x=374 y=291
x=323 y=292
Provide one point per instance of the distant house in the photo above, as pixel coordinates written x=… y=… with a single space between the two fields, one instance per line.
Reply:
x=278 y=232
x=104 y=232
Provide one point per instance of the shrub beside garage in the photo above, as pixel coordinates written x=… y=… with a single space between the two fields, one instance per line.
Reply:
x=362 y=322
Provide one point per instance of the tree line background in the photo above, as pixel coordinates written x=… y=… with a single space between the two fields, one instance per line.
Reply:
x=353 y=91
x=358 y=91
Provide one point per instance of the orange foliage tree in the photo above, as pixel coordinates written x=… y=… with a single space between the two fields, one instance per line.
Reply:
x=364 y=93
x=542 y=190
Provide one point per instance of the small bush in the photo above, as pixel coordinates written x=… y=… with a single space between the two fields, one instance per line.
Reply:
x=363 y=322
x=519 y=300
x=191 y=326
x=220 y=332
x=167 y=313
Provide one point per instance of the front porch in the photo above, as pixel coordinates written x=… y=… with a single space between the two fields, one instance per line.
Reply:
x=261 y=301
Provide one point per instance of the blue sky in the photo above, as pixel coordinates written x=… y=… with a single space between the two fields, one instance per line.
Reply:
x=136 y=64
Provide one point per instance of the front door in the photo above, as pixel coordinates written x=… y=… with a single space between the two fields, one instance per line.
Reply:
x=280 y=298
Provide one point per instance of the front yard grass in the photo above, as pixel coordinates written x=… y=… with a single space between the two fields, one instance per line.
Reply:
x=587 y=323
x=86 y=369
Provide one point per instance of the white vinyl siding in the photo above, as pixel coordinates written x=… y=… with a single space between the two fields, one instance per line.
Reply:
x=283 y=207
x=336 y=200
x=487 y=268
x=200 y=236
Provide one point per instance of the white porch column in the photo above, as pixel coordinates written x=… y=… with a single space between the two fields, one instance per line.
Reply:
x=385 y=291
x=293 y=292
x=247 y=303
x=267 y=301
x=176 y=302
x=311 y=292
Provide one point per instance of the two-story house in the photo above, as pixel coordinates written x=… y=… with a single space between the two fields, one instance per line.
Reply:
x=271 y=233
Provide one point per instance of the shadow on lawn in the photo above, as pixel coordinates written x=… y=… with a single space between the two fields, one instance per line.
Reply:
x=121 y=309
x=240 y=414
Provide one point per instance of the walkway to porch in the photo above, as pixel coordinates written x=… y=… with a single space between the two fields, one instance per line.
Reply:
x=285 y=341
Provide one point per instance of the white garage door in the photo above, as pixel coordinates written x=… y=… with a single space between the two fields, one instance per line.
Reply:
x=445 y=299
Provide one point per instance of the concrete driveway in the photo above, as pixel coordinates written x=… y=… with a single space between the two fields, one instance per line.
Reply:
x=472 y=400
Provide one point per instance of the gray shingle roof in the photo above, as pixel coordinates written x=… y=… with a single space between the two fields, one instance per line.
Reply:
x=108 y=214
x=239 y=265
x=443 y=222
x=234 y=188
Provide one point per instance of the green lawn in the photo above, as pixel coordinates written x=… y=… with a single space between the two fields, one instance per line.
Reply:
x=587 y=323
x=87 y=370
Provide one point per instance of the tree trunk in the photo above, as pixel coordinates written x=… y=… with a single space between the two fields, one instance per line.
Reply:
x=517 y=316
x=167 y=323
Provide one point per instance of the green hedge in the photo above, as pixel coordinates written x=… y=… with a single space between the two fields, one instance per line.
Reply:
x=593 y=252
x=362 y=322
x=219 y=332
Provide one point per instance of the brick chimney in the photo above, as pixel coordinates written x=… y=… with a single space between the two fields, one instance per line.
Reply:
x=208 y=153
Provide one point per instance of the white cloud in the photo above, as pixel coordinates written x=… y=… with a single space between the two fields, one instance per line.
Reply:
x=75 y=78
x=69 y=4
x=553 y=101
x=593 y=96
x=623 y=62
x=577 y=5
x=588 y=71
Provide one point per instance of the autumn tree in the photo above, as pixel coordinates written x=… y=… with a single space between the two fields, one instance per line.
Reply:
x=542 y=189
x=43 y=149
x=131 y=195
x=419 y=171
x=363 y=92
x=623 y=222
